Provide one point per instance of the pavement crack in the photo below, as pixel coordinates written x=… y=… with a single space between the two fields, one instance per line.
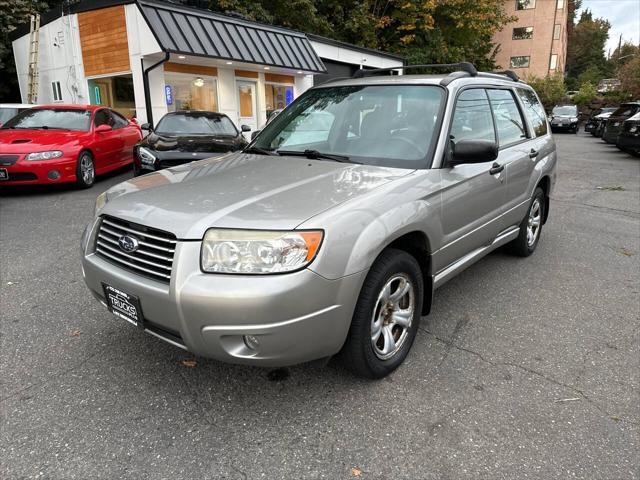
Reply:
x=450 y=343
x=598 y=207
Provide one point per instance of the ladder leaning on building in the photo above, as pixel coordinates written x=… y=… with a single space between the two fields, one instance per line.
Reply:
x=34 y=41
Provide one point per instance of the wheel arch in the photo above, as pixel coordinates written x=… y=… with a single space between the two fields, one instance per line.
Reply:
x=416 y=243
x=545 y=184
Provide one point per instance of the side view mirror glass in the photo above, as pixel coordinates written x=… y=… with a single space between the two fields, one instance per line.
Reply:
x=245 y=128
x=473 y=151
x=146 y=126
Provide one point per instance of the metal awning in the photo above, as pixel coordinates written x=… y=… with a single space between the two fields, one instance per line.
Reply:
x=192 y=31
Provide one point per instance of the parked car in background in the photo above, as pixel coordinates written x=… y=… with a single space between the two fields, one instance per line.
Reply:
x=564 y=118
x=613 y=126
x=65 y=143
x=629 y=137
x=184 y=136
x=596 y=118
x=9 y=110
x=329 y=233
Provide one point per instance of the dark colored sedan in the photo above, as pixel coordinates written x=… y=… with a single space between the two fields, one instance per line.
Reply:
x=596 y=117
x=185 y=136
x=613 y=127
x=564 y=117
x=629 y=138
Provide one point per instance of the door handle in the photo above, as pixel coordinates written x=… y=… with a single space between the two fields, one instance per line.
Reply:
x=496 y=168
x=533 y=153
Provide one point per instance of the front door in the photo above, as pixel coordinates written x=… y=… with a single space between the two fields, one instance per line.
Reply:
x=247 y=111
x=472 y=196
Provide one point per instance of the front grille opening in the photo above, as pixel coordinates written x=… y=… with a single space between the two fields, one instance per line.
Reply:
x=165 y=333
x=152 y=259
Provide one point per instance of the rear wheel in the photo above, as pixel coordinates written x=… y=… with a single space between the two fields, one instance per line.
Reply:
x=85 y=170
x=530 y=227
x=387 y=316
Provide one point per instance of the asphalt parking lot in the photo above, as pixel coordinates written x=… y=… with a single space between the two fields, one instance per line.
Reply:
x=526 y=368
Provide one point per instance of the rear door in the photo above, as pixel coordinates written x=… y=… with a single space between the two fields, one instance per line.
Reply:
x=518 y=153
x=472 y=197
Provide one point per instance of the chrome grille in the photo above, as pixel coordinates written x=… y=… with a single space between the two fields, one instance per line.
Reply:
x=154 y=256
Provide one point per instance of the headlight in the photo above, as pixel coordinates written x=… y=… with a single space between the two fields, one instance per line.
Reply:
x=146 y=156
x=574 y=119
x=44 y=155
x=633 y=128
x=258 y=251
x=101 y=201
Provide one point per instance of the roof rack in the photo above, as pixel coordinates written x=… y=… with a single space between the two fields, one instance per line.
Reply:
x=467 y=67
x=509 y=73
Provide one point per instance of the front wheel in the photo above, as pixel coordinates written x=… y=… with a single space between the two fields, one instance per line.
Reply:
x=530 y=227
x=386 y=318
x=85 y=171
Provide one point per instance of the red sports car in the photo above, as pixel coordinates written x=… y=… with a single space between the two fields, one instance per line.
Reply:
x=65 y=143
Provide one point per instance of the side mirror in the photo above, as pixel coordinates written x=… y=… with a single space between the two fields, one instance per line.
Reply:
x=245 y=128
x=473 y=151
x=146 y=126
x=255 y=134
x=103 y=128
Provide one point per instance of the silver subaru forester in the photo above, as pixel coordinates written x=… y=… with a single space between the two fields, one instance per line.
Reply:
x=330 y=232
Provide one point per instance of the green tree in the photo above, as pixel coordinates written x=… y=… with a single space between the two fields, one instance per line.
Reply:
x=586 y=94
x=586 y=48
x=591 y=75
x=551 y=89
x=629 y=75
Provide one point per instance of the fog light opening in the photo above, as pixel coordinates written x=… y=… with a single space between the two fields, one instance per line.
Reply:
x=53 y=174
x=251 y=342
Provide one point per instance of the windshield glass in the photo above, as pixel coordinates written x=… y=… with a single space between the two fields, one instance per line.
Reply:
x=6 y=113
x=55 y=118
x=626 y=110
x=388 y=125
x=566 y=110
x=196 y=124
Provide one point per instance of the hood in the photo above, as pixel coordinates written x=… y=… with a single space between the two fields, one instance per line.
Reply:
x=240 y=190
x=634 y=118
x=24 y=141
x=604 y=115
x=189 y=143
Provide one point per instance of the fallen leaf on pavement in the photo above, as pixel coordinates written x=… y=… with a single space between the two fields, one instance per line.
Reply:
x=356 y=472
x=75 y=333
x=189 y=363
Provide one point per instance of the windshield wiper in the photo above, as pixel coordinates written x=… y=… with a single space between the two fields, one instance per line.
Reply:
x=260 y=151
x=316 y=155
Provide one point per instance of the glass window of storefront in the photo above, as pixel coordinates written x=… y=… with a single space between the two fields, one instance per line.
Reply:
x=186 y=91
x=277 y=96
x=114 y=92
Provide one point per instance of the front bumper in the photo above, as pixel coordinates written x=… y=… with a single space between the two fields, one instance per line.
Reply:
x=564 y=126
x=629 y=141
x=296 y=317
x=27 y=172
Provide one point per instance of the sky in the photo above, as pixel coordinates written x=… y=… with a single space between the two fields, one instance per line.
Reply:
x=624 y=16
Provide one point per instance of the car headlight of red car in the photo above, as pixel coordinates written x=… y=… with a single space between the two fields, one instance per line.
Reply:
x=44 y=155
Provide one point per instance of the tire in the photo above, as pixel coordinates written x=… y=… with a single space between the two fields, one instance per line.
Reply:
x=85 y=170
x=523 y=246
x=376 y=358
x=136 y=171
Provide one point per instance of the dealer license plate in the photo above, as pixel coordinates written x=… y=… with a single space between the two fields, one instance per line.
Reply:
x=123 y=305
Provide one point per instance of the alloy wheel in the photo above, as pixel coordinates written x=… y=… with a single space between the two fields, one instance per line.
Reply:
x=86 y=169
x=392 y=316
x=533 y=223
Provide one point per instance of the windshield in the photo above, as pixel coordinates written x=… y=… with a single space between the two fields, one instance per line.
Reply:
x=196 y=124
x=626 y=110
x=566 y=110
x=388 y=125
x=6 y=113
x=54 y=118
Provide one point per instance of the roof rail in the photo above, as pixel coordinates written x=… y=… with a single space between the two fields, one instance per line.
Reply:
x=461 y=66
x=508 y=73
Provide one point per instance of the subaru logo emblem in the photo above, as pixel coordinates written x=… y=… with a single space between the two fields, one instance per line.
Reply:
x=128 y=243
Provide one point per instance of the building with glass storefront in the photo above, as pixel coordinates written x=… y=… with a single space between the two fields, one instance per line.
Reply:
x=145 y=58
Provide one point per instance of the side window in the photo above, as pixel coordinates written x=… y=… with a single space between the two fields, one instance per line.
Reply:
x=102 y=117
x=472 y=117
x=509 y=122
x=118 y=120
x=534 y=111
